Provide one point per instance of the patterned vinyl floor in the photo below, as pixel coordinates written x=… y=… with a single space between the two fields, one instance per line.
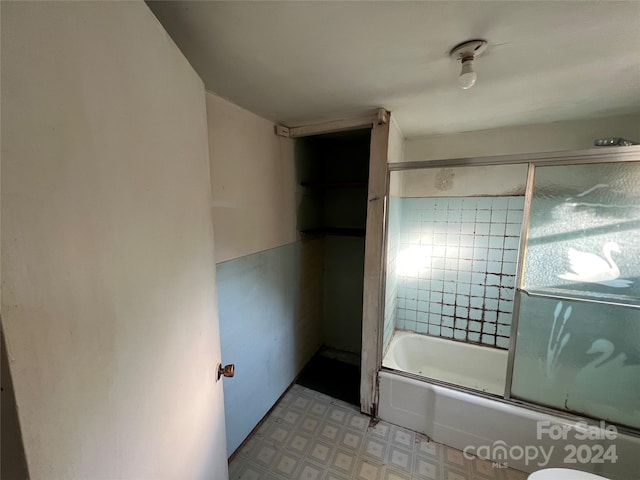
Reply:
x=311 y=436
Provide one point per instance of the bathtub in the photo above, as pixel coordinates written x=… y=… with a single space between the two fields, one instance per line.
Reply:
x=484 y=425
x=472 y=366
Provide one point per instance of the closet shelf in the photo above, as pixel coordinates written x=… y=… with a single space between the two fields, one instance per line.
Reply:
x=335 y=231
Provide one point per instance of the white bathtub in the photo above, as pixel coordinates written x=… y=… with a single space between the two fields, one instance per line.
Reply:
x=472 y=366
x=470 y=421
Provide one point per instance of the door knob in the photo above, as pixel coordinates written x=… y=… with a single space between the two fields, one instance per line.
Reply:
x=227 y=370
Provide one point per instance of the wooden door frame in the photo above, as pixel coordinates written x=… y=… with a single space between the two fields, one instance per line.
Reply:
x=373 y=298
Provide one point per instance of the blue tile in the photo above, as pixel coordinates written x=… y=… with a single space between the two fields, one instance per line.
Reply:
x=477 y=278
x=469 y=216
x=449 y=287
x=504 y=318
x=495 y=255
x=435 y=318
x=423 y=295
x=506 y=293
x=475 y=314
x=491 y=304
x=489 y=328
x=490 y=316
x=423 y=307
x=483 y=216
x=481 y=241
x=506 y=306
x=454 y=215
x=488 y=339
x=480 y=266
x=494 y=267
x=516 y=203
x=498 y=216
x=462 y=312
x=460 y=335
x=448 y=310
x=510 y=255
x=476 y=302
x=485 y=203
x=491 y=292
x=435 y=308
x=411 y=315
x=463 y=301
x=465 y=265
x=483 y=229
x=449 y=298
x=496 y=242
x=469 y=203
x=502 y=342
x=475 y=326
x=473 y=336
x=422 y=328
x=466 y=240
x=455 y=204
x=434 y=330
x=422 y=317
x=466 y=252
x=512 y=230
x=412 y=305
x=464 y=277
x=463 y=288
x=514 y=216
x=500 y=203
x=497 y=229
x=509 y=268
x=436 y=297
x=504 y=330
x=446 y=332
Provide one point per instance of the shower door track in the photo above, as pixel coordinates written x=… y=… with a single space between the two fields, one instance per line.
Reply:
x=575 y=157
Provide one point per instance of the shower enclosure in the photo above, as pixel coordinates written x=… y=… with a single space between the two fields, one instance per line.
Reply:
x=519 y=280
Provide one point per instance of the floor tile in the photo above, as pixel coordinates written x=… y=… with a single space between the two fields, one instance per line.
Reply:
x=311 y=436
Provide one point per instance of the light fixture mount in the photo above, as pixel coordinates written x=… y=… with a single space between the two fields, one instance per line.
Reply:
x=468 y=50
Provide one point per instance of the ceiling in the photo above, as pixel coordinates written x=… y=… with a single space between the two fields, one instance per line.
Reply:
x=303 y=62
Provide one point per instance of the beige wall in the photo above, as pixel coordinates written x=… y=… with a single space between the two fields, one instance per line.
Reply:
x=107 y=246
x=548 y=137
x=253 y=182
x=460 y=181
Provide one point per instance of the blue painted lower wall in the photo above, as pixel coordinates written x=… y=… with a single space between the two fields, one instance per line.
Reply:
x=270 y=325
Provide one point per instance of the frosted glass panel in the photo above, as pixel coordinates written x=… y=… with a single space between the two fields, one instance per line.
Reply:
x=584 y=234
x=578 y=341
x=581 y=357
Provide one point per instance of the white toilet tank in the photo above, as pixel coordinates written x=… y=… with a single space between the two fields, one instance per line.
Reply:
x=563 y=474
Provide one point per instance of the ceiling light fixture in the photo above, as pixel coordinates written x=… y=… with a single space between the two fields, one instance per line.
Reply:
x=465 y=53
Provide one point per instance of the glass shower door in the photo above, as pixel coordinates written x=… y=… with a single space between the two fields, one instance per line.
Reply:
x=578 y=337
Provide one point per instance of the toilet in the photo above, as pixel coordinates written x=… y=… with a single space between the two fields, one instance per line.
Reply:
x=563 y=474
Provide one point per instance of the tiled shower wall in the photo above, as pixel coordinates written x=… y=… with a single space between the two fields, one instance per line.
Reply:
x=391 y=286
x=456 y=267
